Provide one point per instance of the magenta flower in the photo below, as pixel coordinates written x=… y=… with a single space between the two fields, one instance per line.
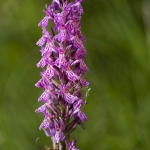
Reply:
x=63 y=70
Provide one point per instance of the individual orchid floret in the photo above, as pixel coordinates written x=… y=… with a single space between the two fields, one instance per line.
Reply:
x=63 y=70
x=72 y=145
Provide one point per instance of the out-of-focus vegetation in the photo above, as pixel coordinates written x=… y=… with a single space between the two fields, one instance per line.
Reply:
x=118 y=44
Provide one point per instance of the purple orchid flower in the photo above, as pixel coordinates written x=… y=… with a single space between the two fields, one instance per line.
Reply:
x=62 y=77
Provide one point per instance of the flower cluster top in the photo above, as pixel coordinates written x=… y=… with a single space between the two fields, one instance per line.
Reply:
x=63 y=68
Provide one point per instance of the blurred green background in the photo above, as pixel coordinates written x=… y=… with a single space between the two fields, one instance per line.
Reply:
x=118 y=44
